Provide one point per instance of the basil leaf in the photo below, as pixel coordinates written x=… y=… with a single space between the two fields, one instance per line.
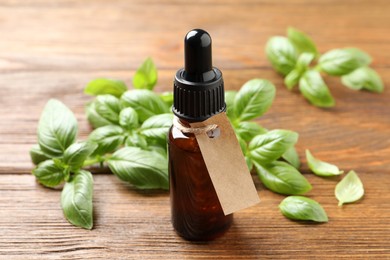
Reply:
x=76 y=200
x=157 y=127
x=292 y=79
x=49 y=173
x=146 y=76
x=37 y=156
x=57 y=128
x=136 y=140
x=321 y=168
x=248 y=130
x=77 y=153
x=229 y=100
x=314 y=89
x=167 y=97
x=340 y=62
x=108 y=107
x=302 y=208
x=254 y=99
x=281 y=53
x=282 y=178
x=362 y=56
x=94 y=118
x=249 y=163
x=108 y=138
x=349 y=189
x=128 y=118
x=292 y=157
x=104 y=86
x=301 y=67
x=301 y=41
x=145 y=102
x=144 y=169
x=271 y=145
x=363 y=78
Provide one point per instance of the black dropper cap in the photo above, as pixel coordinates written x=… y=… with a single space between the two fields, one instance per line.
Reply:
x=198 y=92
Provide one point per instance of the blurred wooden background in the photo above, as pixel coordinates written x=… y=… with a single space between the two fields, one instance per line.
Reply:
x=51 y=49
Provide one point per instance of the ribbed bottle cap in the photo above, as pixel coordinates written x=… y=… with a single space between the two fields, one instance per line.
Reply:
x=198 y=91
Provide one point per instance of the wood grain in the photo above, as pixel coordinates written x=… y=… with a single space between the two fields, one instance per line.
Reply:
x=51 y=49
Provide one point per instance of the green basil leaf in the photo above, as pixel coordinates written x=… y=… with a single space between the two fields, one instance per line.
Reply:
x=108 y=107
x=254 y=99
x=282 y=178
x=229 y=100
x=301 y=41
x=77 y=153
x=314 y=89
x=363 y=78
x=108 y=138
x=144 y=169
x=136 y=140
x=162 y=150
x=292 y=157
x=94 y=118
x=271 y=145
x=321 y=168
x=362 y=56
x=248 y=130
x=167 y=97
x=37 y=156
x=76 y=200
x=340 y=62
x=145 y=102
x=292 y=79
x=249 y=163
x=157 y=127
x=349 y=189
x=146 y=76
x=302 y=208
x=128 y=118
x=301 y=67
x=281 y=53
x=49 y=173
x=104 y=86
x=57 y=128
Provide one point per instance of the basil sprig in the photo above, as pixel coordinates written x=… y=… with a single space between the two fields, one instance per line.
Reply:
x=296 y=57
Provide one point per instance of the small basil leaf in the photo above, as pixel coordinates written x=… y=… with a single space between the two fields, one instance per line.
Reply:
x=104 y=86
x=271 y=145
x=362 y=56
x=281 y=53
x=302 y=208
x=146 y=76
x=282 y=178
x=248 y=130
x=128 y=118
x=108 y=107
x=292 y=79
x=349 y=189
x=50 y=174
x=94 y=118
x=145 y=102
x=321 y=168
x=76 y=200
x=77 y=153
x=167 y=97
x=340 y=62
x=254 y=99
x=156 y=127
x=57 y=128
x=136 y=140
x=158 y=149
x=108 y=138
x=144 y=169
x=363 y=78
x=301 y=67
x=304 y=61
x=249 y=163
x=314 y=89
x=301 y=41
x=229 y=100
x=292 y=157
x=37 y=156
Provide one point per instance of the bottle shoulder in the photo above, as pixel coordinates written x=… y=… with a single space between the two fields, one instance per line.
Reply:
x=184 y=141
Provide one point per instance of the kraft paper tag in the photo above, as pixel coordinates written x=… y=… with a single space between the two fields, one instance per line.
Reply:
x=226 y=165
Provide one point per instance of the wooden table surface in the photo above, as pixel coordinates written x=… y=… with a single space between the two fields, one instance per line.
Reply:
x=51 y=49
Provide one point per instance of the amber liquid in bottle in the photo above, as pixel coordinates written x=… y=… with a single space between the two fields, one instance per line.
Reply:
x=196 y=210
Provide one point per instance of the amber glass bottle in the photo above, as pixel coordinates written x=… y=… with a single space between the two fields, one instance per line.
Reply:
x=198 y=95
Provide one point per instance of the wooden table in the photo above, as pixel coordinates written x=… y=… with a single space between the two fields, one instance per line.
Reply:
x=51 y=49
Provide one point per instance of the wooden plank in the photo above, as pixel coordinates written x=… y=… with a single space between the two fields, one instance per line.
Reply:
x=136 y=225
